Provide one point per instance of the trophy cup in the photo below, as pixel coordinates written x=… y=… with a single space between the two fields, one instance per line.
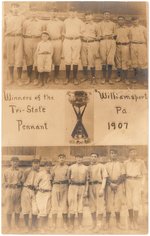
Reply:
x=79 y=100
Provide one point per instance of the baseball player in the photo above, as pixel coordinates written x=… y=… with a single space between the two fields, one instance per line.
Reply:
x=78 y=188
x=43 y=186
x=114 y=188
x=135 y=180
x=138 y=47
x=97 y=182
x=32 y=29
x=28 y=202
x=55 y=28
x=43 y=55
x=12 y=183
x=106 y=30
x=72 y=31
x=88 y=49
x=122 y=57
x=60 y=191
x=14 y=42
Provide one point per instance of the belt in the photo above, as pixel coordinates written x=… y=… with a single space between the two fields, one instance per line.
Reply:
x=61 y=182
x=95 y=182
x=77 y=183
x=124 y=44
x=137 y=42
x=72 y=38
x=32 y=36
x=31 y=187
x=45 y=53
x=107 y=37
x=44 y=190
x=13 y=35
x=14 y=186
x=88 y=41
x=56 y=38
x=133 y=177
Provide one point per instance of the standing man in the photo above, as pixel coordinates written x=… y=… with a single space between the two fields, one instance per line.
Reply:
x=28 y=202
x=14 y=42
x=55 y=28
x=72 y=30
x=78 y=188
x=12 y=184
x=43 y=186
x=138 y=48
x=106 y=33
x=97 y=182
x=135 y=182
x=32 y=30
x=89 y=46
x=122 y=33
x=60 y=191
x=114 y=188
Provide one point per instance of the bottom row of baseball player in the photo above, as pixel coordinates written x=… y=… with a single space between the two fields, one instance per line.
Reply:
x=40 y=191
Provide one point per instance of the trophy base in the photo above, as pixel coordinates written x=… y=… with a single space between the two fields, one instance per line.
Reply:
x=81 y=140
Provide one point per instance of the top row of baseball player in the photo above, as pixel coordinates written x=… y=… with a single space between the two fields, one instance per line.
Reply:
x=74 y=39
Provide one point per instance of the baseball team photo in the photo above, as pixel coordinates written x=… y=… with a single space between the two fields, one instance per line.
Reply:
x=75 y=44
x=75 y=190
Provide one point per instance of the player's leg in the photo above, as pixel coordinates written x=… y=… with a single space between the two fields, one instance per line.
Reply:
x=76 y=49
x=67 y=44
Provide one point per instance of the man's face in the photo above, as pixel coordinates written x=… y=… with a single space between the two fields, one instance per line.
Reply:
x=121 y=21
x=33 y=16
x=36 y=165
x=47 y=168
x=79 y=159
x=94 y=158
x=53 y=15
x=45 y=37
x=14 y=164
x=14 y=10
x=107 y=16
x=135 y=22
x=113 y=156
x=88 y=18
x=133 y=154
x=72 y=14
x=62 y=159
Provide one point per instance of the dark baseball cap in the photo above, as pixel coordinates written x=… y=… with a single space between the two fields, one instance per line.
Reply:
x=14 y=159
x=35 y=160
x=134 y=18
x=47 y=163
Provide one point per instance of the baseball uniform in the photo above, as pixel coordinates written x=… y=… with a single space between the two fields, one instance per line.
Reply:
x=115 y=169
x=14 y=40
x=28 y=203
x=89 y=46
x=78 y=179
x=43 y=56
x=122 y=47
x=42 y=183
x=97 y=173
x=55 y=27
x=72 y=28
x=138 y=46
x=106 y=31
x=60 y=189
x=12 y=182
x=135 y=170
x=32 y=29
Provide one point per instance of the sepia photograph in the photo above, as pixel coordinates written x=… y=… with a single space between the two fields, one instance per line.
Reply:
x=67 y=45
x=75 y=190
